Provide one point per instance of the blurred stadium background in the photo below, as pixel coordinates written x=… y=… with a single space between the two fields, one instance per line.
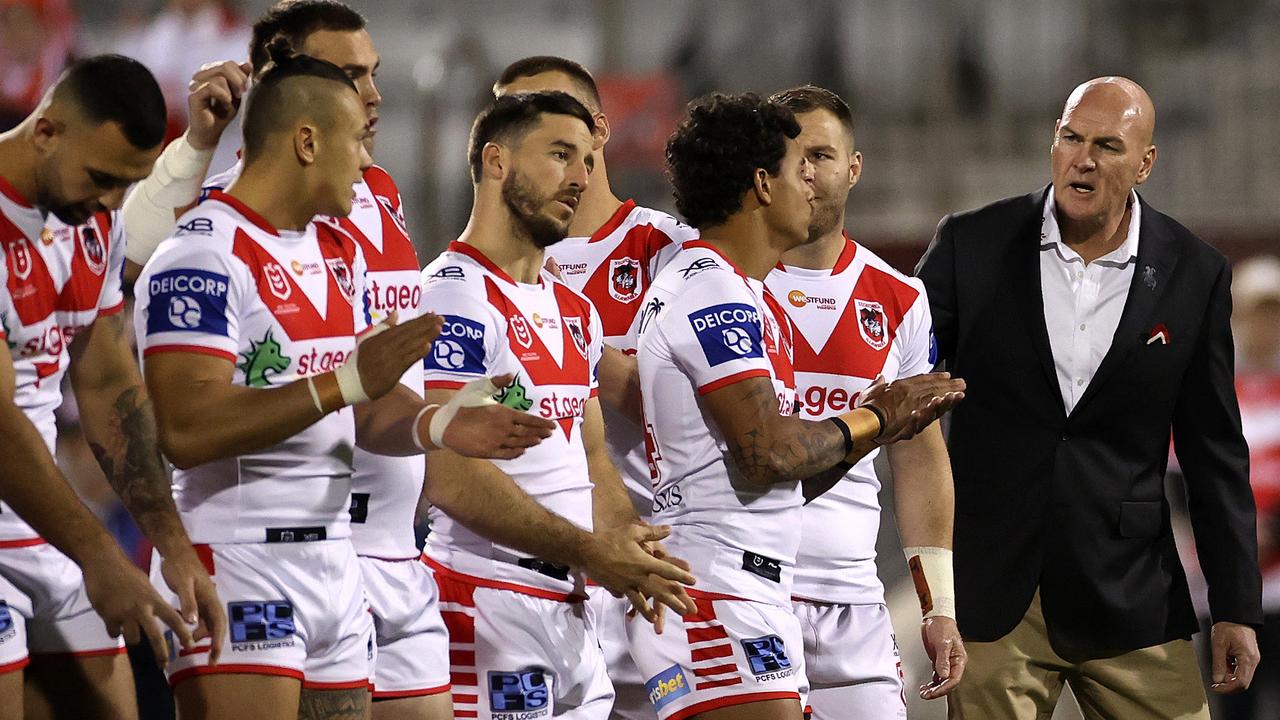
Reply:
x=954 y=101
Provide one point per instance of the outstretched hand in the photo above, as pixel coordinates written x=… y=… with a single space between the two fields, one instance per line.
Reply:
x=912 y=404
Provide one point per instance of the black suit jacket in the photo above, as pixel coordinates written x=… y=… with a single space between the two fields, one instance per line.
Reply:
x=1074 y=504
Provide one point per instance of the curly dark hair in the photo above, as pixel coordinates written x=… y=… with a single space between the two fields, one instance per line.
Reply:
x=713 y=155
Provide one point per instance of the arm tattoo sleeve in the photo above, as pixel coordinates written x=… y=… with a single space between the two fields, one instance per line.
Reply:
x=801 y=450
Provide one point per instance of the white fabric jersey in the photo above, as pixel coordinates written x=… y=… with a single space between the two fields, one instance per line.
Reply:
x=384 y=489
x=860 y=319
x=281 y=306
x=548 y=336
x=54 y=282
x=613 y=268
x=705 y=326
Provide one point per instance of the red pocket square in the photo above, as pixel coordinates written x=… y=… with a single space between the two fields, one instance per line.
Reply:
x=1159 y=334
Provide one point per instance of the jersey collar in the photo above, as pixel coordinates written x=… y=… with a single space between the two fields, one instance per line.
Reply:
x=248 y=212
x=12 y=193
x=847 y=254
x=474 y=253
x=691 y=244
x=613 y=222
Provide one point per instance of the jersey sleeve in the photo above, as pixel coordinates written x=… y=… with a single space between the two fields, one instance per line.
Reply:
x=715 y=333
x=189 y=299
x=595 y=349
x=111 y=299
x=919 y=347
x=361 y=304
x=468 y=342
x=665 y=242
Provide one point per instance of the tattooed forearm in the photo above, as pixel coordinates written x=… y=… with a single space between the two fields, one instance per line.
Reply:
x=333 y=705
x=781 y=449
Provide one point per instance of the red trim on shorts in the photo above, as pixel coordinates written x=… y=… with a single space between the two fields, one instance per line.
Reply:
x=15 y=666
x=734 y=378
x=183 y=652
x=197 y=349
x=705 y=595
x=697 y=635
x=108 y=312
x=24 y=542
x=451 y=574
x=711 y=653
x=468 y=679
x=225 y=669
x=205 y=553
x=466 y=699
x=713 y=684
x=465 y=658
x=465 y=714
x=389 y=694
x=731 y=701
x=345 y=685
x=101 y=652
x=716 y=670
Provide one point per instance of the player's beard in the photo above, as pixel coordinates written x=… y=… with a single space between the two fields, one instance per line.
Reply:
x=526 y=207
x=48 y=198
x=826 y=216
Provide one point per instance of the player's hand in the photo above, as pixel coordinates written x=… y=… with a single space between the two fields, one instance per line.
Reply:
x=128 y=604
x=912 y=404
x=197 y=600
x=213 y=99
x=627 y=560
x=495 y=431
x=553 y=267
x=1235 y=657
x=391 y=348
x=946 y=651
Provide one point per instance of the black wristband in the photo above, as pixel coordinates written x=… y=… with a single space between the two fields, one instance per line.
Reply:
x=844 y=430
x=879 y=416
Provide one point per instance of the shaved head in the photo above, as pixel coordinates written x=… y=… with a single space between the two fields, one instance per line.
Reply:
x=1120 y=96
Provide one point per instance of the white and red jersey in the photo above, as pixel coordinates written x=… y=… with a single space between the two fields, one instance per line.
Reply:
x=613 y=268
x=384 y=489
x=857 y=320
x=548 y=336
x=1259 y=393
x=55 y=281
x=705 y=326
x=281 y=306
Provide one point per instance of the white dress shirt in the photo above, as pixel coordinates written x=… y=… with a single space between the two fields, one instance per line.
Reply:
x=1083 y=302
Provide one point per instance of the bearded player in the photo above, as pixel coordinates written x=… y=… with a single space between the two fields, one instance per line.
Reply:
x=613 y=251
x=732 y=464
x=521 y=639
x=248 y=320
x=856 y=319
x=411 y=677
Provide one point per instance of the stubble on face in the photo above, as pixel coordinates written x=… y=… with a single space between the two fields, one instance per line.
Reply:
x=526 y=205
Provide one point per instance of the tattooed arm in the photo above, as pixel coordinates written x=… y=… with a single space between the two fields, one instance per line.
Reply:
x=120 y=428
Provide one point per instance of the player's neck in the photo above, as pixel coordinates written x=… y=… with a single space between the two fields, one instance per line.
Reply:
x=259 y=189
x=18 y=162
x=597 y=205
x=821 y=254
x=499 y=237
x=746 y=242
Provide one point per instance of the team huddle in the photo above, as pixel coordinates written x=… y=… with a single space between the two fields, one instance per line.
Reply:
x=645 y=446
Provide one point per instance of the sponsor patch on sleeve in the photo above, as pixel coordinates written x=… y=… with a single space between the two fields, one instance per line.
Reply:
x=730 y=331
x=667 y=686
x=188 y=300
x=459 y=348
x=933 y=348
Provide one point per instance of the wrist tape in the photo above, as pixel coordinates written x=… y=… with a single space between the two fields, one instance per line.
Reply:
x=934 y=578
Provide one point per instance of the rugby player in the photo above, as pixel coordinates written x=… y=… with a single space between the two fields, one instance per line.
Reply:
x=248 y=320
x=62 y=173
x=732 y=463
x=521 y=639
x=411 y=677
x=856 y=319
x=613 y=252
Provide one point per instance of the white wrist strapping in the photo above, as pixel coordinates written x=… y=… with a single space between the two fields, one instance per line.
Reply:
x=934 y=578
x=348 y=374
x=174 y=182
x=476 y=393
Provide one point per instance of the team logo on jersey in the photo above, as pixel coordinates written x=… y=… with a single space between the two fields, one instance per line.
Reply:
x=514 y=396
x=277 y=281
x=448 y=272
x=7 y=629
x=94 y=253
x=698 y=266
x=521 y=330
x=624 y=279
x=574 y=325
x=459 y=348
x=872 y=325
x=46 y=236
x=521 y=694
x=767 y=657
x=650 y=312
x=342 y=275
x=187 y=300
x=301 y=268
x=197 y=226
x=667 y=686
x=20 y=261
x=541 y=322
x=264 y=359
x=397 y=214
x=259 y=626
x=728 y=332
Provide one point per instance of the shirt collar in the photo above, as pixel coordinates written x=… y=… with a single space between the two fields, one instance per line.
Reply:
x=1051 y=236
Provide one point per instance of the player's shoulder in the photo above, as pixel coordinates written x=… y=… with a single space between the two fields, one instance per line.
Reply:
x=455 y=275
x=380 y=182
x=888 y=275
x=695 y=268
x=662 y=222
x=221 y=180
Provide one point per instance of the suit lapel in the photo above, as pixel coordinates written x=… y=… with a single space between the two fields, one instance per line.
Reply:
x=1027 y=286
x=1158 y=253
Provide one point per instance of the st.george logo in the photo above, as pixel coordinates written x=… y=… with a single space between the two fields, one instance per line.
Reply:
x=95 y=255
x=342 y=276
x=872 y=323
x=574 y=326
x=624 y=279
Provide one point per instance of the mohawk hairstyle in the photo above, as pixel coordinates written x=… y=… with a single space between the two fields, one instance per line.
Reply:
x=270 y=102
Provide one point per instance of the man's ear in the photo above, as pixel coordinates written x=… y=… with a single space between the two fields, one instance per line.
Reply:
x=304 y=144
x=600 y=132
x=764 y=194
x=1148 y=162
x=494 y=161
x=855 y=168
x=46 y=133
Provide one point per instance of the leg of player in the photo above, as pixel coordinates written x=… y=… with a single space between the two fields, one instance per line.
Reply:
x=232 y=697
x=69 y=685
x=11 y=691
x=334 y=704
x=425 y=707
x=766 y=710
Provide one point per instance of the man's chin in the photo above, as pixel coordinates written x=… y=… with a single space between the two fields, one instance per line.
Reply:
x=72 y=214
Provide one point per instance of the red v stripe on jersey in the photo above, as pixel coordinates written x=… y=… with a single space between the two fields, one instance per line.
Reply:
x=846 y=352
x=31 y=287
x=534 y=356
x=780 y=357
x=294 y=311
x=396 y=252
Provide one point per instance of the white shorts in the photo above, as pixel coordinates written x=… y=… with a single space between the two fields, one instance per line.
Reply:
x=852 y=659
x=631 y=700
x=413 y=645
x=517 y=656
x=293 y=609
x=730 y=652
x=44 y=608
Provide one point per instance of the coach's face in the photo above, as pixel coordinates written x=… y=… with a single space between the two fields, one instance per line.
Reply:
x=85 y=167
x=1101 y=150
x=353 y=52
x=547 y=174
x=836 y=167
x=790 y=209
